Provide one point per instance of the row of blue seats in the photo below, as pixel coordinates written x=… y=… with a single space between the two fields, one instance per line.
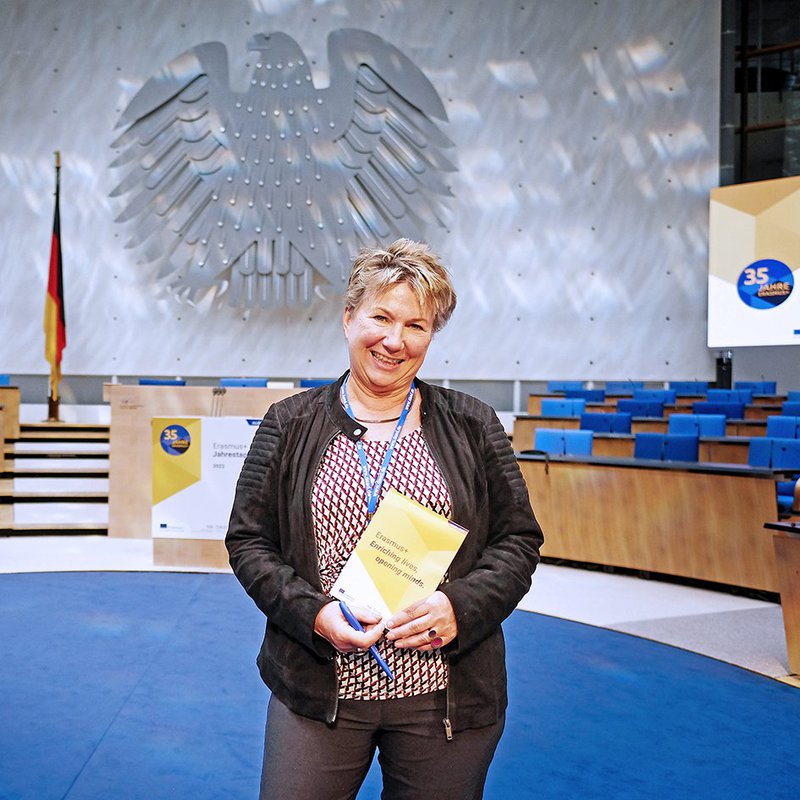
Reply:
x=764 y=451
x=680 y=387
x=670 y=396
x=574 y=407
x=776 y=452
x=787 y=427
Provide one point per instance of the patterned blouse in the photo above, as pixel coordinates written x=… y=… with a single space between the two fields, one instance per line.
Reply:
x=339 y=507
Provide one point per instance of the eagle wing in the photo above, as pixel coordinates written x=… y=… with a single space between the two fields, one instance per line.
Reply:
x=176 y=156
x=387 y=138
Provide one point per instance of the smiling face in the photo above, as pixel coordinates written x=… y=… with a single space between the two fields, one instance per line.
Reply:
x=387 y=335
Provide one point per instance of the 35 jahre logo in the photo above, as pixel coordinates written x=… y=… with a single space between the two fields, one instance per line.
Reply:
x=765 y=284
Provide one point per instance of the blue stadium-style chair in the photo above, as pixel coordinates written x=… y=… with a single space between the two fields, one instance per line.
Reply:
x=601 y=422
x=689 y=387
x=729 y=410
x=787 y=496
x=568 y=407
x=744 y=396
x=641 y=408
x=549 y=440
x=785 y=453
x=666 y=396
x=757 y=387
x=310 y=383
x=589 y=395
x=793 y=397
x=623 y=388
x=162 y=382
x=557 y=387
x=774 y=452
x=5 y=380
x=791 y=408
x=259 y=382
x=785 y=427
x=778 y=453
x=559 y=442
x=578 y=443
x=697 y=424
x=666 y=446
x=759 y=453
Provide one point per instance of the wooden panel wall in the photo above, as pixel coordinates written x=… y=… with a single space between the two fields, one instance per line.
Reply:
x=707 y=526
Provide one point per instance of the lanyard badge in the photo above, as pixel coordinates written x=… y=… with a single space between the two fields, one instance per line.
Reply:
x=373 y=490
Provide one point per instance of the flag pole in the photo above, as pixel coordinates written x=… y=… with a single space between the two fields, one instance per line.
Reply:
x=54 y=325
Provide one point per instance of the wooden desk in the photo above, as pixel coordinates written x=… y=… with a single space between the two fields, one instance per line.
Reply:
x=9 y=399
x=696 y=521
x=711 y=449
x=130 y=466
x=787 y=556
x=769 y=399
x=746 y=427
x=761 y=411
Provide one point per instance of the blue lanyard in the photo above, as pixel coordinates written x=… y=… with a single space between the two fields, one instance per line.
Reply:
x=373 y=490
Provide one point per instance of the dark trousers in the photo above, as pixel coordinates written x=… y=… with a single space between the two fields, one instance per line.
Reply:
x=309 y=760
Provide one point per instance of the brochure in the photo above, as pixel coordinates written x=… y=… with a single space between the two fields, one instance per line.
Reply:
x=401 y=557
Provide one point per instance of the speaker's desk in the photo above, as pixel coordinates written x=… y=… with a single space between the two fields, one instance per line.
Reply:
x=130 y=465
x=9 y=399
x=700 y=521
x=787 y=555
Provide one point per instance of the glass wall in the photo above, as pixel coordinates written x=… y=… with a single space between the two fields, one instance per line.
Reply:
x=760 y=126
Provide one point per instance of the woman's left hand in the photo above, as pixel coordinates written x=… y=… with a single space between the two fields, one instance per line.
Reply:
x=426 y=625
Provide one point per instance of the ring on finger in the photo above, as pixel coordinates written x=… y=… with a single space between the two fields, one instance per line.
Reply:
x=432 y=633
x=437 y=641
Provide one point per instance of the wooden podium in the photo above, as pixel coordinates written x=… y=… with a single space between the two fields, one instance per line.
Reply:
x=130 y=465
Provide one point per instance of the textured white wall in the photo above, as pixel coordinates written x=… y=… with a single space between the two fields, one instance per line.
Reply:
x=586 y=137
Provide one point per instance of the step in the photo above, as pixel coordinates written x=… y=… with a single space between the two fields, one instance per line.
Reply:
x=65 y=528
x=63 y=436
x=56 y=468
x=51 y=449
x=67 y=514
x=55 y=486
x=68 y=427
x=14 y=497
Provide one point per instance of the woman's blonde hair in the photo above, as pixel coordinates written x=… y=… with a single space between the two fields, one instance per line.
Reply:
x=403 y=261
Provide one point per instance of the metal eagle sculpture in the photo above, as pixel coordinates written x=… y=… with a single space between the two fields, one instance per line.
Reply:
x=267 y=194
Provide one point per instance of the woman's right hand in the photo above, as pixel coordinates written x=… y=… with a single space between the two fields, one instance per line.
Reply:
x=331 y=625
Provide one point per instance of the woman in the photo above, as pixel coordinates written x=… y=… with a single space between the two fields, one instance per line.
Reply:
x=314 y=473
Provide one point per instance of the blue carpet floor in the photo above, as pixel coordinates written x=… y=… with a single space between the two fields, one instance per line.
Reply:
x=143 y=685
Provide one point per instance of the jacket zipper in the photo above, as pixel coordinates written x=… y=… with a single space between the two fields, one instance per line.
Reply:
x=448 y=727
x=331 y=718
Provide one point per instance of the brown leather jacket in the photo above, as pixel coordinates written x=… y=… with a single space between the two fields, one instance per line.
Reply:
x=273 y=551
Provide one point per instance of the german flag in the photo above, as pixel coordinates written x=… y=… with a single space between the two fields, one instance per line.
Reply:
x=55 y=329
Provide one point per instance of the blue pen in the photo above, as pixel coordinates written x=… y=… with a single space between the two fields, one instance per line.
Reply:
x=354 y=623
